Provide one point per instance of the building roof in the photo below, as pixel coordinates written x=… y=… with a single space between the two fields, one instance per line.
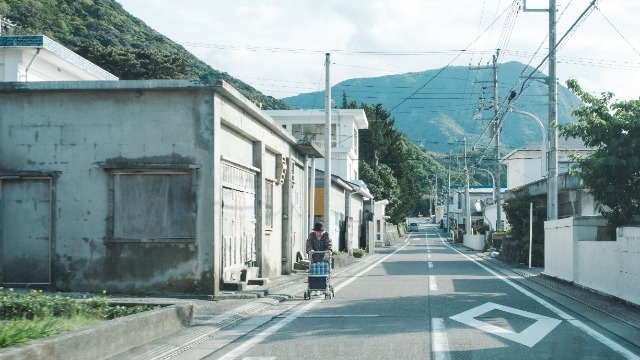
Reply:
x=318 y=116
x=55 y=53
x=571 y=144
x=478 y=189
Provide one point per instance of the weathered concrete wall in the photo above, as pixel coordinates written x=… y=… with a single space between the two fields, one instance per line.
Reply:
x=82 y=131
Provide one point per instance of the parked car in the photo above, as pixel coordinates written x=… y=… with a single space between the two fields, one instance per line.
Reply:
x=413 y=227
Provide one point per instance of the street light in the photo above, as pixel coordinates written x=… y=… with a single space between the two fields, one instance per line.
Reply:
x=543 y=148
x=493 y=181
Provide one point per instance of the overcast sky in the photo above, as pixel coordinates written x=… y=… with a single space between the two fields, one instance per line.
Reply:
x=279 y=46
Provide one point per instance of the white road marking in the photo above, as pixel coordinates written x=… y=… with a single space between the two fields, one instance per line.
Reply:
x=433 y=286
x=439 y=340
x=529 y=336
x=430 y=264
x=577 y=323
x=246 y=346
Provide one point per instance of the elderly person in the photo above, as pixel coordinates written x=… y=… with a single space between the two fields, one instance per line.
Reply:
x=319 y=240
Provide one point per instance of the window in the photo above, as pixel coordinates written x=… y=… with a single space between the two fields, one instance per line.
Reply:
x=268 y=204
x=153 y=205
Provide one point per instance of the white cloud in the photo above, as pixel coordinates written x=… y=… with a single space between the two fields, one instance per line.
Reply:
x=264 y=33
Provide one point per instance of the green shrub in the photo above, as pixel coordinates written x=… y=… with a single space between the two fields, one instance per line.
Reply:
x=33 y=315
x=358 y=253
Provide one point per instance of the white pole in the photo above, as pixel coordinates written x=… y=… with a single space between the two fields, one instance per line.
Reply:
x=530 y=231
x=467 y=200
x=327 y=149
x=312 y=194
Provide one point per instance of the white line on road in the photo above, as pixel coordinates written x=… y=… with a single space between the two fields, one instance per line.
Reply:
x=439 y=340
x=246 y=346
x=433 y=286
x=430 y=264
x=577 y=323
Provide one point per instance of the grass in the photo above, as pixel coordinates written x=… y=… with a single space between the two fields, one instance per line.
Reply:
x=34 y=315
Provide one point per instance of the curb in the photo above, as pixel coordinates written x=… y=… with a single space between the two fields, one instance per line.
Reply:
x=98 y=341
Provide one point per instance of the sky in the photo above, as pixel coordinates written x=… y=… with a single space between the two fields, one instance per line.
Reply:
x=279 y=46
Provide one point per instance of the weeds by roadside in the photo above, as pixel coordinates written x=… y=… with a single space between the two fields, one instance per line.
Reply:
x=33 y=315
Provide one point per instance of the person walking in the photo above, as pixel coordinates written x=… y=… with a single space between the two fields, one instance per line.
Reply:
x=319 y=240
x=320 y=263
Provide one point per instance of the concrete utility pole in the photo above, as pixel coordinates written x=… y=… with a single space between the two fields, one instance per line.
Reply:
x=446 y=211
x=496 y=125
x=552 y=168
x=467 y=199
x=552 y=137
x=327 y=148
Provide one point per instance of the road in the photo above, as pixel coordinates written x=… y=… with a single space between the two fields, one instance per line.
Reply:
x=424 y=300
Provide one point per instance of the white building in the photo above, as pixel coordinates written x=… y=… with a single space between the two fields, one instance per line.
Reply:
x=310 y=125
x=524 y=165
x=38 y=58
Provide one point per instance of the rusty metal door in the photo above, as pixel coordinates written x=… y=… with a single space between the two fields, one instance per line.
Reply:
x=25 y=231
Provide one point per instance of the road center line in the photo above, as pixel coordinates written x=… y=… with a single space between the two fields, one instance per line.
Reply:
x=433 y=286
x=439 y=340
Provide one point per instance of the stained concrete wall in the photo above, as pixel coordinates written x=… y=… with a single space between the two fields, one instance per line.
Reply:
x=78 y=131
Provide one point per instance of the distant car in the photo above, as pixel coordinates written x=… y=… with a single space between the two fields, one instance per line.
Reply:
x=413 y=227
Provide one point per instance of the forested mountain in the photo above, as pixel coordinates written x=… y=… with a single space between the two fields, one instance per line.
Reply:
x=437 y=107
x=107 y=35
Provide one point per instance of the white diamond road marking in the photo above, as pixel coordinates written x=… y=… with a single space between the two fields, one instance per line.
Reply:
x=529 y=336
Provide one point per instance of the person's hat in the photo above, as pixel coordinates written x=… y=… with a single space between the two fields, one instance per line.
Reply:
x=318 y=226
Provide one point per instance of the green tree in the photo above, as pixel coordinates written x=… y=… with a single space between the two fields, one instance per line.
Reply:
x=612 y=171
x=105 y=34
x=517 y=211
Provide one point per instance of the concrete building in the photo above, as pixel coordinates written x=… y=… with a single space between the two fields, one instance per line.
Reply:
x=358 y=227
x=145 y=187
x=38 y=58
x=310 y=125
x=524 y=165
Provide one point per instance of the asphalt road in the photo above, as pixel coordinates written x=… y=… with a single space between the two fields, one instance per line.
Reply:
x=424 y=300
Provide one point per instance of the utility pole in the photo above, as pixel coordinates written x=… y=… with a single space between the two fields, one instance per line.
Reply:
x=467 y=200
x=496 y=126
x=552 y=180
x=327 y=149
x=552 y=132
x=446 y=211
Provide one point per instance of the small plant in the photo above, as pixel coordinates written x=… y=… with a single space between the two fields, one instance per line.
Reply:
x=358 y=253
x=29 y=316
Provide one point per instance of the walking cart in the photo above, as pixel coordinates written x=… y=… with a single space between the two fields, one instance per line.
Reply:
x=320 y=276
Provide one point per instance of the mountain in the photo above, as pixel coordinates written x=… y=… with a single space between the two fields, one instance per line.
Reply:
x=107 y=35
x=436 y=108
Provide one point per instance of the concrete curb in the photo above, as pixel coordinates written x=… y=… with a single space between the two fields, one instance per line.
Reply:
x=109 y=337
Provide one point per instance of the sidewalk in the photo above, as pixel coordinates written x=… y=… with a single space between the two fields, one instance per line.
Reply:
x=227 y=309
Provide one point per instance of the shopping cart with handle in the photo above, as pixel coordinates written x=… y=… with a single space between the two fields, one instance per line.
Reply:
x=319 y=279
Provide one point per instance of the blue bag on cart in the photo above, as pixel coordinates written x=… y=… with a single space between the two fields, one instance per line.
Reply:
x=319 y=268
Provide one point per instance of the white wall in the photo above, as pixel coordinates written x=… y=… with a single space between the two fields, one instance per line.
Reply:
x=610 y=267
